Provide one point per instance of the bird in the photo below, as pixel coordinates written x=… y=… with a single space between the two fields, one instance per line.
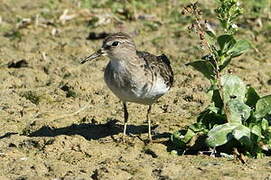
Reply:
x=134 y=76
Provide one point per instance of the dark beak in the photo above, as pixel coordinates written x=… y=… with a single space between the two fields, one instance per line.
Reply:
x=92 y=56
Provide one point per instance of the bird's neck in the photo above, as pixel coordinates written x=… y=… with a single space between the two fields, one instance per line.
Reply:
x=127 y=60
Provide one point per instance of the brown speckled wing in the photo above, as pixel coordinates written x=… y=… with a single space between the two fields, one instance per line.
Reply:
x=158 y=64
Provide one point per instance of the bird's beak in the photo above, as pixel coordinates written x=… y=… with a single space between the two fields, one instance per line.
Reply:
x=95 y=55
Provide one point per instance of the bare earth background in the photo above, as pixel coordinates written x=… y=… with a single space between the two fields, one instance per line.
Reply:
x=42 y=136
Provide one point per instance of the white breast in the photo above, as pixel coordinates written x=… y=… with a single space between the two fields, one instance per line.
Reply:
x=159 y=87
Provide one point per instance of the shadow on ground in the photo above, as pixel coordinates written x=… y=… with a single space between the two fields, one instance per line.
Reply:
x=8 y=134
x=89 y=131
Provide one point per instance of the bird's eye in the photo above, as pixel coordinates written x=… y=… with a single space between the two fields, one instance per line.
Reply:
x=115 y=43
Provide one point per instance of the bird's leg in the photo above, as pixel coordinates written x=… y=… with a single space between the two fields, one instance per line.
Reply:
x=126 y=115
x=149 y=123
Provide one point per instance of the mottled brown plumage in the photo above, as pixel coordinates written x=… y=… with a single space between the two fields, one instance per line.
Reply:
x=134 y=76
x=158 y=64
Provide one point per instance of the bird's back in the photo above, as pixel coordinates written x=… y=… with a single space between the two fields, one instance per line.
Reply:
x=158 y=64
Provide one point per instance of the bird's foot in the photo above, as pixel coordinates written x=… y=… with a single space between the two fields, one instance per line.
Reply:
x=124 y=138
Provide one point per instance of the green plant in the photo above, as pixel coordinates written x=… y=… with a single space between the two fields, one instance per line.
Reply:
x=32 y=97
x=257 y=8
x=237 y=116
x=13 y=35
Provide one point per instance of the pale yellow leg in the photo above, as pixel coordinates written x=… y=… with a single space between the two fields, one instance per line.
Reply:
x=149 y=123
x=126 y=115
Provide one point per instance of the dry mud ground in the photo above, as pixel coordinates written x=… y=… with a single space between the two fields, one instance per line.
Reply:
x=42 y=134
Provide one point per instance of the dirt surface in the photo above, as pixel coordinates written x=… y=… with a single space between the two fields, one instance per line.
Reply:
x=60 y=121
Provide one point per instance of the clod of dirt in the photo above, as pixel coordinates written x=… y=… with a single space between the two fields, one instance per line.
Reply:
x=98 y=173
x=29 y=143
x=12 y=145
x=95 y=175
x=68 y=90
x=97 y=36
x=18 y=64
x=23 y=23
x=150 y=152
x=158 y=173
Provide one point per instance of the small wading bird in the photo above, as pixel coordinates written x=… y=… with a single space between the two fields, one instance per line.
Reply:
x=134 y=76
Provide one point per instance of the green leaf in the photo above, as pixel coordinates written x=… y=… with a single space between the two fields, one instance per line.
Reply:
x=216 y=98
x=197 y=127
x=181 y=138
x=263 y=107
x=213 y=108
x=236 y=50
x=188 y=135
x=205 y=67
x=226 y=42
x=233 y=88
x=264 y=124
x=220 y=134
x=210 y=32
x=243 y=135
x=211 y=38
x=256 y=130
x=252 y=97
x=176 y=139
x=208 y=119
x=237 y=111
x=224 y=62
x=239 y=48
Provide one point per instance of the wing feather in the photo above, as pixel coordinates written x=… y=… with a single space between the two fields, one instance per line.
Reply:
x=160 y=64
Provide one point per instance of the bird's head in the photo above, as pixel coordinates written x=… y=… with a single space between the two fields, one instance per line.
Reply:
x=115 y=46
